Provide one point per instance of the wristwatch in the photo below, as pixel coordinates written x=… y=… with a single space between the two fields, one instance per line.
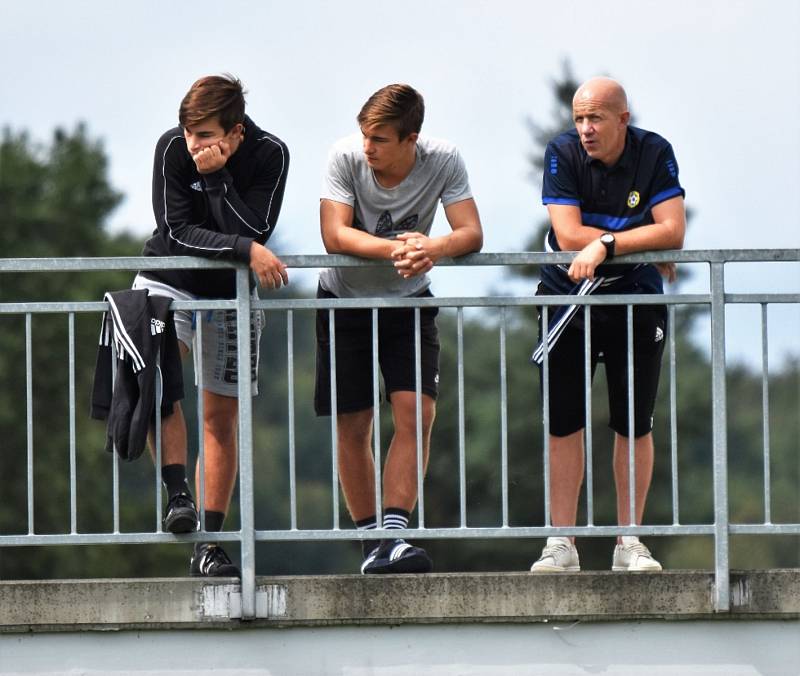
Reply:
x=609 y=242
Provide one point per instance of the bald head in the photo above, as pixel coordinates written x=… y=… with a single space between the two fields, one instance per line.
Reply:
x=604 y=92
x=600 y=112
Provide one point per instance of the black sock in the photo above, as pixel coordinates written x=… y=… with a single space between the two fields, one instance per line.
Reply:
x=174 y=478
x=214 y=521
x=370 y=523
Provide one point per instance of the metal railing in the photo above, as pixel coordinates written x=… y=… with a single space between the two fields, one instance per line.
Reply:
x=248 y=535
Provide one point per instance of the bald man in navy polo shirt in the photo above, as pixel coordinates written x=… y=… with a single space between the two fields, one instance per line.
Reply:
x=610 y=189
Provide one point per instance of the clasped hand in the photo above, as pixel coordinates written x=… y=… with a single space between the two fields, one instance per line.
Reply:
x=415 y=254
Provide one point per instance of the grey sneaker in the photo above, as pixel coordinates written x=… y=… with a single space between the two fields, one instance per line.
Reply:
x=558 y=556
x=632 y=556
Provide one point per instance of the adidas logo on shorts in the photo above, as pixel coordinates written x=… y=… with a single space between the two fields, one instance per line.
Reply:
x=156 y=327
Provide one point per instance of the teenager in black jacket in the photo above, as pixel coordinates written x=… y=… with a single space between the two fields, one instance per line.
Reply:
x=218 y=183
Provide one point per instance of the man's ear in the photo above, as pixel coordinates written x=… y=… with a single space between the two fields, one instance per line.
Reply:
x=625 y=118
x=412 y=137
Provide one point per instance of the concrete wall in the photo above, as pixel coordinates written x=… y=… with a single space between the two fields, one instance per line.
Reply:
x=392 y=599
x=651 y=648
x=504 y=624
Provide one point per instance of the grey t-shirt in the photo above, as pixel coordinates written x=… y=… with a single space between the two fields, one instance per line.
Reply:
x=439 y=173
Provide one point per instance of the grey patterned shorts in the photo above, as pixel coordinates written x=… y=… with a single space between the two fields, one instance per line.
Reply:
x=217 y=360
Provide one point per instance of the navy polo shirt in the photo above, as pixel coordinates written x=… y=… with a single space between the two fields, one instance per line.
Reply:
x=611 y=198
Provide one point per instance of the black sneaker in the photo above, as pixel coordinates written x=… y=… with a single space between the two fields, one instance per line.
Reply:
x=396 y=556
x=181 y=516
x=210 y=560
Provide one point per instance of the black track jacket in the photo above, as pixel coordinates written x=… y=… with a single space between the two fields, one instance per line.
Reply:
x=139 y=325
x=215 y=215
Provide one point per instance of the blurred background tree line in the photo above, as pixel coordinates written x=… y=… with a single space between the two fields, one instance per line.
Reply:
x=55 y=201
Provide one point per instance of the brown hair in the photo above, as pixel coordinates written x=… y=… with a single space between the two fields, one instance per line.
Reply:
x=399 y=105
x=213 y=95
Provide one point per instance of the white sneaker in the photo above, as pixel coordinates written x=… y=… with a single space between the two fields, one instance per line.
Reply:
x=632 y=555
x=558 y=556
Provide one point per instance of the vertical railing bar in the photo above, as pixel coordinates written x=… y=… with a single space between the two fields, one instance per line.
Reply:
x=29 y=415
x=158 y=463
x=673 y=415
x=159 y=440
x=462 y=446
x=114 y=458
x=765 y=413
x=376 y=422
x=244 y=330
x=200 y=472
x=546 y=413
x=719 y=440
x=291 y=419
x=631 y=430
x=418 y=397
x=503 y=417
x=587 y=384
x=73 y=467
x=334 y=421
x=115 y=467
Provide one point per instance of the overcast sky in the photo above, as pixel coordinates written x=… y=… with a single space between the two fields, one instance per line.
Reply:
x=719 y=78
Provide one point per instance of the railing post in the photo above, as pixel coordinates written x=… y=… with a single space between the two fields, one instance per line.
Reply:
x=546 y=413
x=29 y=412
x=719 y=440
x=246 y=502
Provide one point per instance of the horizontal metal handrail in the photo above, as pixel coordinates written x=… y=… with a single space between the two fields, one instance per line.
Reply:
x=339 y=260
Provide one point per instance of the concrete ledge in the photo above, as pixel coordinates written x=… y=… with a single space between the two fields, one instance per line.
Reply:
x=70 y=605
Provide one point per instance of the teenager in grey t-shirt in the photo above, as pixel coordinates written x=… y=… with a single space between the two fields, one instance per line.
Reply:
x=379 y=197
x=439 y=173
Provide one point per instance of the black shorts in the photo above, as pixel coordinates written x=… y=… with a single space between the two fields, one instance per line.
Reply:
x=396 y=355
x=609 y=344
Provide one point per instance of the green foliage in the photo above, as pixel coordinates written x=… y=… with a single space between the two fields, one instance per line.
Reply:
x=55 y=201
x=541 y=134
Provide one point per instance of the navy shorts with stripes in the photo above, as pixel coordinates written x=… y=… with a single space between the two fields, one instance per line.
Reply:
x=609 y=344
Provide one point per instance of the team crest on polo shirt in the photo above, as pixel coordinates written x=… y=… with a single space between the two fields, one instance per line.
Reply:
x=633 y=199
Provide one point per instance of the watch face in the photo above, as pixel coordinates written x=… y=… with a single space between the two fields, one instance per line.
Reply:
x=608 y=241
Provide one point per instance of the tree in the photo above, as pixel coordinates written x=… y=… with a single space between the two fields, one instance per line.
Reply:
x=56 y=199
x=541 y=134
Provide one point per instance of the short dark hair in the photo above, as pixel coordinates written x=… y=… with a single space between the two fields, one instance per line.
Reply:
x=399 y=105
x=214 y=95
